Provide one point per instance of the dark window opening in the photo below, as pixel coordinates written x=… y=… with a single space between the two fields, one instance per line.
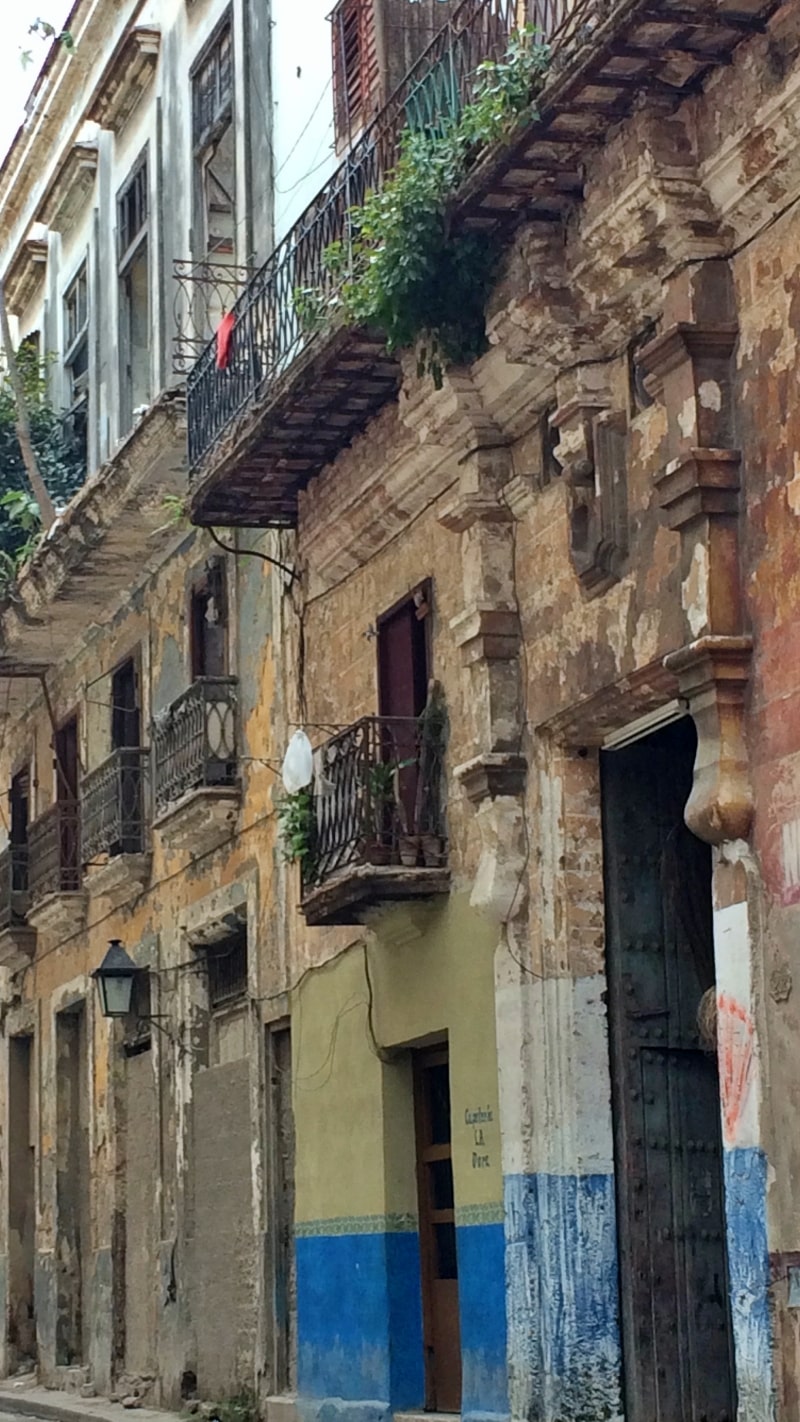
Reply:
x=76 y=347
x=125 y=712
x=209 y=623
x=640 y=397
x=19 y=807
x=227 y=971
x=132 y=210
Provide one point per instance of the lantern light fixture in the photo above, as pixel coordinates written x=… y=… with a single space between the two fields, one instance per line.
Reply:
x=115 y=980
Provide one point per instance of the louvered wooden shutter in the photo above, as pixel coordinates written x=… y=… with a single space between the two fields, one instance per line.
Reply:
x=355 y=66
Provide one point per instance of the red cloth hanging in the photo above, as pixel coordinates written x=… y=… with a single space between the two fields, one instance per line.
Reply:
x=225 y=340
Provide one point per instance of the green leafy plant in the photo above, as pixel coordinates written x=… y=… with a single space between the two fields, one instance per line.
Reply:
x=405 y=269
x=240 y=1408
x=59 y=454
x=42 y=29
x=297 y=825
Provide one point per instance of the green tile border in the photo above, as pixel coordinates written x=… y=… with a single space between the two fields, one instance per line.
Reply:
x=480 y=1214
x=393 y=1223
x=356 y=1224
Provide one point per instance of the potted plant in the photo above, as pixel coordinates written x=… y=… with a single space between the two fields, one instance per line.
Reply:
x=381 y=796
x=427 y=808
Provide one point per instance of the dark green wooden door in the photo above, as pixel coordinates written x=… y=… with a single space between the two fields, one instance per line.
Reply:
x=673 y=1275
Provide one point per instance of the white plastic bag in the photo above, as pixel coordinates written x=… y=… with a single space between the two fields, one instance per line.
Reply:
x=298 y=764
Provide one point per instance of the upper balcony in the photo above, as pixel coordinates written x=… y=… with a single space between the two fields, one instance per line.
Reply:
x=196 y=784
x=55 y=874
x=17 y=938
x=115 y=823
x=294 y=390
x=378 y=820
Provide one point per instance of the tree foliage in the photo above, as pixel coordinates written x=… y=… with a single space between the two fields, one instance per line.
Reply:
x=59 y=454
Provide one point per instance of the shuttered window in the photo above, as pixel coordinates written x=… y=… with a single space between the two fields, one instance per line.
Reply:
x=355 y=67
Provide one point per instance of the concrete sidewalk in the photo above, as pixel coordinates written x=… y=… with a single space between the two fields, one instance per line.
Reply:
x=26 y=1399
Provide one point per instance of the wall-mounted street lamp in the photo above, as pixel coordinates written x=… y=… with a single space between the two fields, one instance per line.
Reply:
x=115 y=979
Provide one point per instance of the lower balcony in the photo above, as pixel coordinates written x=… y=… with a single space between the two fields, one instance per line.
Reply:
x=115 y=818
x=196 y=785
x=55 y=877
x=17 y=938
x=378 y=830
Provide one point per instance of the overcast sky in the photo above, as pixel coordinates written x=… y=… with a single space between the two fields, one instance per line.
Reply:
x=16 y=81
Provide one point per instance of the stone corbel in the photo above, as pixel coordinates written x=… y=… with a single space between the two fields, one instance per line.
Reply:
x=500 y=886
x=712 y=677
x=592 y=451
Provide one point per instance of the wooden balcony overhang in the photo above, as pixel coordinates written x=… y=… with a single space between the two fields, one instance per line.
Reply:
x=113 y=530
x=289 y=428
x=283 y=439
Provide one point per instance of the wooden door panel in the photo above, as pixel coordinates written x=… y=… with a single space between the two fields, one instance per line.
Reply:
x=437 y=1232
x=673 y=1268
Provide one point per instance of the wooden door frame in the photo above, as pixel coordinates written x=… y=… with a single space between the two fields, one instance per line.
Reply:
x=429 y=1216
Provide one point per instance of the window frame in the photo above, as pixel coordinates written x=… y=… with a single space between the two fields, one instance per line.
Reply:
x=76 y=337
x=211 y=56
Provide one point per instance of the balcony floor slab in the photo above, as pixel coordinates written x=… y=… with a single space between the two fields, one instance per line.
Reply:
x=17 y=946
x=122 y=877
x=201 y=820
x=353 y=892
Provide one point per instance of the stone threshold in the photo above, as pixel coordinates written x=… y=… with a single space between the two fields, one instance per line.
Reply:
x=22 y=1399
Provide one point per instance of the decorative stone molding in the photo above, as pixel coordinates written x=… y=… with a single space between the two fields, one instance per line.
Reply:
x=17 y=946
x=487 y=634
x=592 y=451
x=26 y=273
x=59 y=916
x=121 y=878
x=489 y=776
x=689 y=367
x=200 y=821
x=125 y=79
x=712 y=676
x=70 y=188
x=500 y=889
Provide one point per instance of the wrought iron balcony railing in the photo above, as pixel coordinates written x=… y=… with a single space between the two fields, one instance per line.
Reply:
x=379 y=798
x=54 y=852
x=194 y=741
x=13 y=886
x=270 y=327
x=204 y=291
x=115 y=804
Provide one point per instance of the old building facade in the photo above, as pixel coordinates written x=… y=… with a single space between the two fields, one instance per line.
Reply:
x=483 y=1108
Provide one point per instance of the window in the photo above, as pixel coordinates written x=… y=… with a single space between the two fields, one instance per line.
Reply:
x=227 y=970
x=76 y=339
x=132 y=210
x=214 y=150
x=134 y=294
x=19 y=804
x=209 y=622
x=212 y=87
x=125 y=717
x=355 y=67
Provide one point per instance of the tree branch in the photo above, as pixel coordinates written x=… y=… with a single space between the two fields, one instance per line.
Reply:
x=47 y=511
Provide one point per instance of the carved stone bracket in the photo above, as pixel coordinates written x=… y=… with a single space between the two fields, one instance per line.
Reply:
x=712 y=676
x=592 y=451
x=488 y=776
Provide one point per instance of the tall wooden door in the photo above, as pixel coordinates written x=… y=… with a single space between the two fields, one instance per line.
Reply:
x=402 y=693
x=673 y=1270
x=437 y=1232
x=126 y=738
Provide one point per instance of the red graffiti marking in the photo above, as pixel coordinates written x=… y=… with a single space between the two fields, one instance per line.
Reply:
x=735 y=1052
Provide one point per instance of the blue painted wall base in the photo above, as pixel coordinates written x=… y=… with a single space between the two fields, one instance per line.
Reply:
x=563 y=1306
x=359 y=1324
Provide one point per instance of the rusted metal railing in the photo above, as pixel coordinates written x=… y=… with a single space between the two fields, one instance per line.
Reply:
x=54 y=852
x=271 y=326
x=378 y=798
x=13 y=886
x=194 y=741
x=114 y=805
x=203 y=292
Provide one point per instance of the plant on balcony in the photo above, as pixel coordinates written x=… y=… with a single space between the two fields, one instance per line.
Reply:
x=407 y=270
x=297 y=822
x=427 y=810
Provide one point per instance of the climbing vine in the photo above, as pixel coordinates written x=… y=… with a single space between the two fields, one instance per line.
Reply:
x=406 y=269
